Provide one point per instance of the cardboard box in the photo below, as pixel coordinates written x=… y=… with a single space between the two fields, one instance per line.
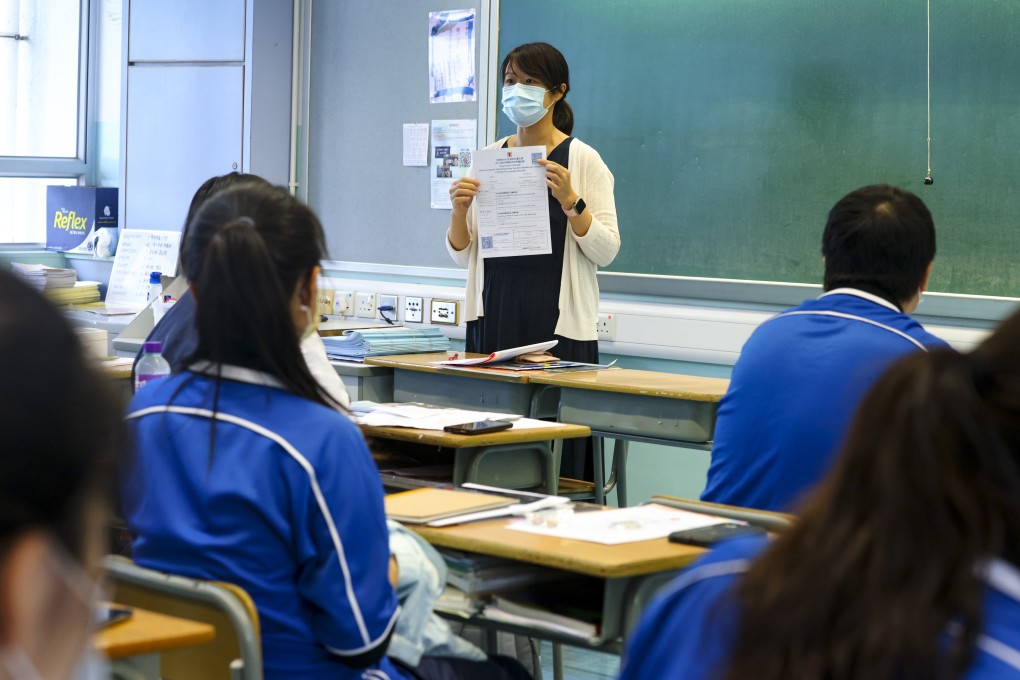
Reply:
x=76 y=214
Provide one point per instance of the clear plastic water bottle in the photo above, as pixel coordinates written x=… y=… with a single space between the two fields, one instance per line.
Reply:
x=155 y=286
x=152 y=365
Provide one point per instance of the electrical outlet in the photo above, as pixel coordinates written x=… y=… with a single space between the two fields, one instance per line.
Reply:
x=343 y=303
x=364 y=305
x=413 y=309
x=393 y=313
x=325 y=301
x=444 y=312
x=605 y=327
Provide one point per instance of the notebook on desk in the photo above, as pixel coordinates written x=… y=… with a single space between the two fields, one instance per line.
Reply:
x=420 y=506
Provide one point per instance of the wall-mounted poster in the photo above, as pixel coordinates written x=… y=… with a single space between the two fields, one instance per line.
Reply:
x=452 y=56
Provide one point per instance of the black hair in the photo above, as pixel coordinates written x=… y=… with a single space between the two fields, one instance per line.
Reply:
x=209 y=187
x=248 y=248
x=61 y=423
x=545 y=62
x=879 y=236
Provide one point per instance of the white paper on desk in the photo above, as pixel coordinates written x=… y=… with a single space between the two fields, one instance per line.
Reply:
x=501 y=355
x=416 y=144
x=625 y=525
x=424 y=417
x=513 y=202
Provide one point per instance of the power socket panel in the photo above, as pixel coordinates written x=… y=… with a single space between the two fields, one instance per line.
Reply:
x=391 y=301
x=343 y=303
x=605 y=327
x=413 y=309
x=445 y=312
x=325 y=301
x=364 y=305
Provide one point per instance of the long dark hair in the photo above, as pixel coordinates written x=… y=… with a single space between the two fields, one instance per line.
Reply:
x=61 y=424
x=248 y=249
x=208 y=188
x=546 y=63
x=887 y=555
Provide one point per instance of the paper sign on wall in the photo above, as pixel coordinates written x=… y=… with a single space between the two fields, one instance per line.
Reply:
x=140 y=253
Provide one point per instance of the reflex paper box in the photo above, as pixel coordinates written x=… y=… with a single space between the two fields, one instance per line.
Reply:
x=76 y=214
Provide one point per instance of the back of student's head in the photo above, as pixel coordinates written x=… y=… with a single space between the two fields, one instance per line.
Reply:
x=880 y=236
x=250 y=249
x=60 y=432
x=208 y=188
x=889 y=552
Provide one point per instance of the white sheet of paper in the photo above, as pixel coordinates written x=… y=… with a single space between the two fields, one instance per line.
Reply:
x=452 y=56
x=625 y=525
x=500 y=355
x=140 y=252
x=452 y=144
x=416 y=144
x=513 y=202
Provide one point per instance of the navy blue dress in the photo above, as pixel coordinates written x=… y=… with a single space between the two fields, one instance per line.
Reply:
x=520 y=300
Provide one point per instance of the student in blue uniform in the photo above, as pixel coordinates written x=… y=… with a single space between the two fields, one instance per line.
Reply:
x=905 y=562
x=246 y=472
x=802 y=373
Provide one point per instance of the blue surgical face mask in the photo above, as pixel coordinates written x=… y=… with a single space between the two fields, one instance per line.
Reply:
x=523 y=104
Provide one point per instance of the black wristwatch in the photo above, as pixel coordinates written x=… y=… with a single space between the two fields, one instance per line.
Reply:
x=578 y=208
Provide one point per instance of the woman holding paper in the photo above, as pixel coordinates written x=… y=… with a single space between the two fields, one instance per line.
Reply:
x=516 y=301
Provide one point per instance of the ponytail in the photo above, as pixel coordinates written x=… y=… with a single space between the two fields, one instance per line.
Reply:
x=563 y=116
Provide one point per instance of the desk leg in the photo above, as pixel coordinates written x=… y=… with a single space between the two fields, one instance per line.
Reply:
x=597 y=466
x=620 y=471
x=557 y=649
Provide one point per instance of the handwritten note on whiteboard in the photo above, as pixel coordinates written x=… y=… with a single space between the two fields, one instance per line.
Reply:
x=140 y=253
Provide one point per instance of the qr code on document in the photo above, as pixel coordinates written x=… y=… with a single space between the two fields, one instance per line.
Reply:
x=536 y=157
x=486 y=243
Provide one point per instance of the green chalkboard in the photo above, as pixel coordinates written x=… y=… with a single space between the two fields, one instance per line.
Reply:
x=732 y=126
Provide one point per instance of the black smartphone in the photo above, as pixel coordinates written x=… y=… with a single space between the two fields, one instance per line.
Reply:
x=706 y=536
x=479 y=427
x=109 y=614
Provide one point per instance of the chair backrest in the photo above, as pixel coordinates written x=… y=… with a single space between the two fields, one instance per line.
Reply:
x=235 y=654
x=770 y=521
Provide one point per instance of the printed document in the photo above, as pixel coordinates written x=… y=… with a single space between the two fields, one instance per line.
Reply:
x=513 y=202
x=625 y=525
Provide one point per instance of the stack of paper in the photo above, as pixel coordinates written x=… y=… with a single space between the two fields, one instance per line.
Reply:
x=421 y=506
x=370 y=342
x=43 y=277
x=79 y=293
x=472 y=573
x=534 y=615
x=418 y=416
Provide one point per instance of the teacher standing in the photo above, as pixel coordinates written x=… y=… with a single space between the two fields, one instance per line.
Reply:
x=514 y=301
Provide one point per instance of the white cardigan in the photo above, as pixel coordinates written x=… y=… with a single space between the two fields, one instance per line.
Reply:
x=579 y=289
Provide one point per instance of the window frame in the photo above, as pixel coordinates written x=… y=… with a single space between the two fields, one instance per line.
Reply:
x=81 y=167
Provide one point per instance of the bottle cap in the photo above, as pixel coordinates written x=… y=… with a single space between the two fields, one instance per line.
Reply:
x=152 y=346
x=154 y=277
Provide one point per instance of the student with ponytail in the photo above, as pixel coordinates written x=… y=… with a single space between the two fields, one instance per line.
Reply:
x=515 y=301
x=246 y=472
x=905 y=562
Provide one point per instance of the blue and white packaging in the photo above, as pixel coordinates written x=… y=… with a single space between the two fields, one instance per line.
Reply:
x=76 y=216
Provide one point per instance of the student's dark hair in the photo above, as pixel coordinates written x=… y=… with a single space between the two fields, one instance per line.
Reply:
x=248 y=249
x=61 y=424
x=545 y=62
x=207 y=189
x=879 y=236
x=882 y=575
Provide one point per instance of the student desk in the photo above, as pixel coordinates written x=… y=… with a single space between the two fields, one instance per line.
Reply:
x=630 y=573
x=416 y=378
x=137 y=642
x=512 y=459
x=631 y=405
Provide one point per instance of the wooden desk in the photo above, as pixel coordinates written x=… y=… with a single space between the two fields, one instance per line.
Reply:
x=417 y=378
x=516 y=459
x=631 y=573
x=138 y=641
x=630 y=405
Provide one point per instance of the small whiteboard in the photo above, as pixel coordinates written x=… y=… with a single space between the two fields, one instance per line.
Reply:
x=139 y=253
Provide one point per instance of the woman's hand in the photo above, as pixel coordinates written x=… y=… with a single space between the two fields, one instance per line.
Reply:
x=557 y=178
x=462 y=192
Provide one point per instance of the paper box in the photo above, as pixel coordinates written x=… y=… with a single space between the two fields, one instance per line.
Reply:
x=75 y=215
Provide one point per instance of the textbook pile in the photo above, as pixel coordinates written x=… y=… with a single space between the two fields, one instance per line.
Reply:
x=371 y=342
x=59 y=285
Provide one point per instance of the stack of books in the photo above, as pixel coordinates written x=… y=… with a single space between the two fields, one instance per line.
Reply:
x=370 y=342
x=80 y=293
x=45 y=278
